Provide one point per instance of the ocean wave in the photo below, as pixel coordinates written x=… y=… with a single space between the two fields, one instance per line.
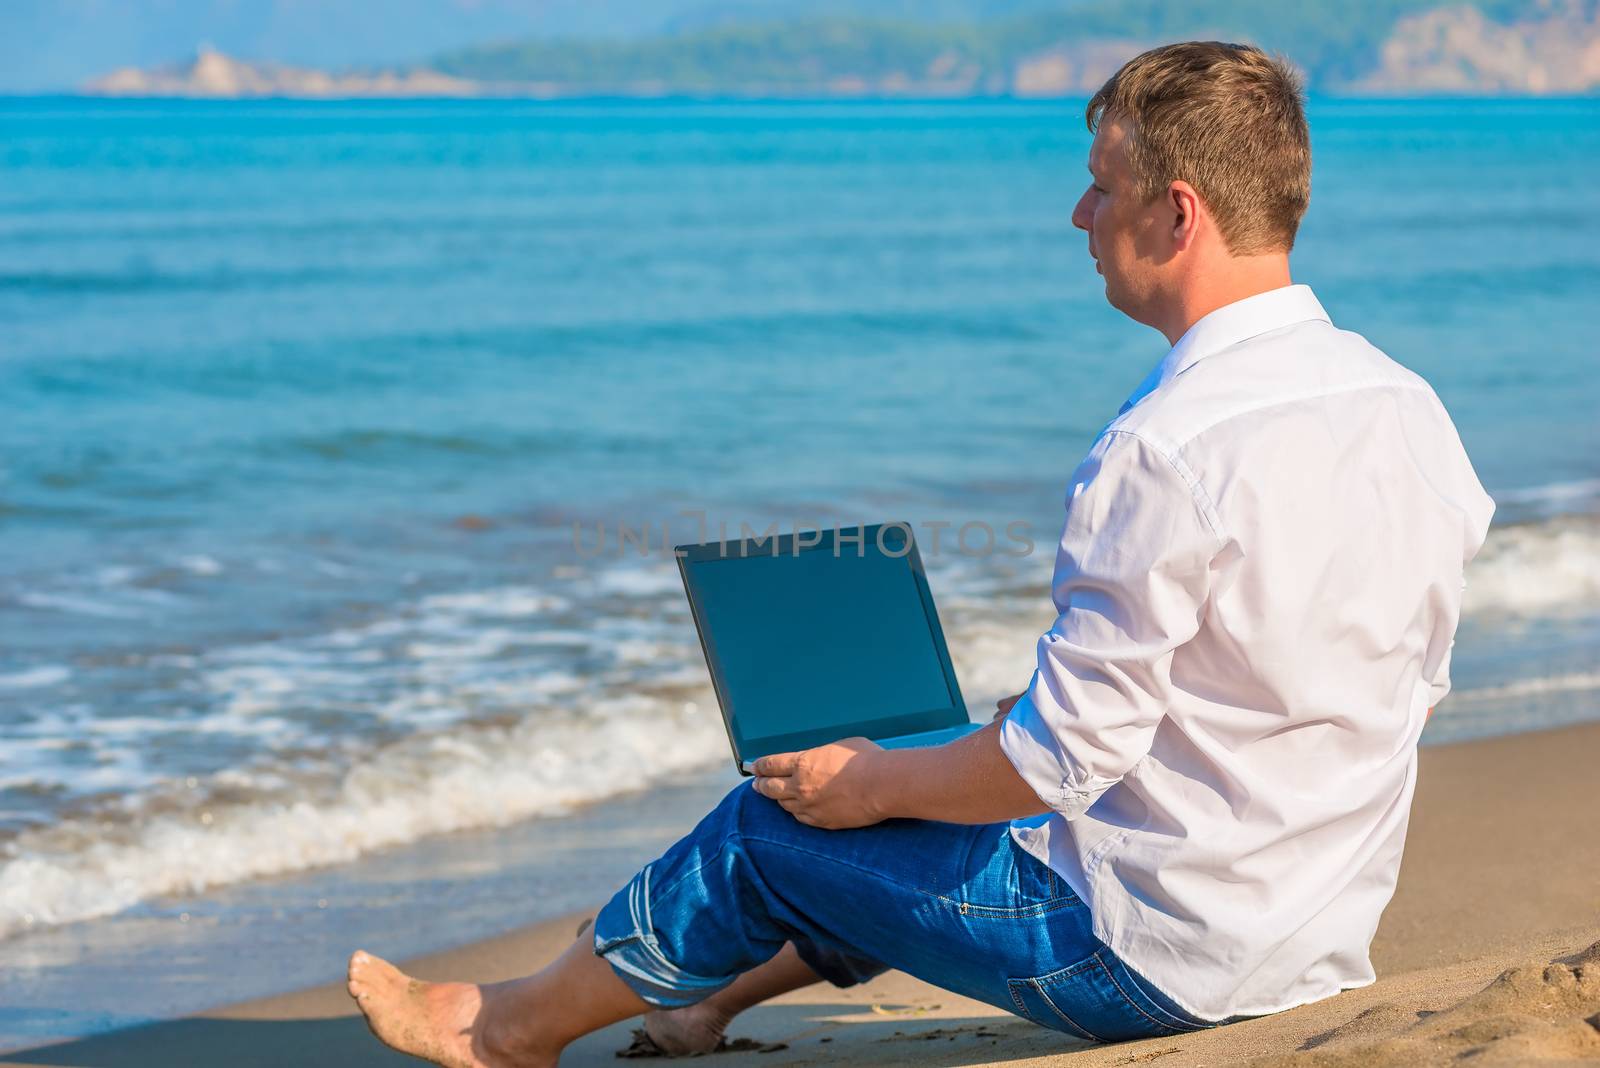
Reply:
x=1530 y=569
x=451 y=711
x=76 y=604
x=199 y=564
x=645 y=713
x=471 y=777
x=1578 y=494
x=116 y=591
x=503 y=601
x=1575 y=682
x=30 y=678
x=639 y=581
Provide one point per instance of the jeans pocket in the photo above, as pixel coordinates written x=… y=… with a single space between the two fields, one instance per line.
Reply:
x=998 y=880
x=1155 y=1006
x=1033 y=1002
x=1089 y=1001
x=1038 y=881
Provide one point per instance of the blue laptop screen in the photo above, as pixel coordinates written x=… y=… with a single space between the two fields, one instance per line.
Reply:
x=833 y=640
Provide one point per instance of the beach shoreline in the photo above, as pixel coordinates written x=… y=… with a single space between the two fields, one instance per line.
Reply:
x=1502 y=872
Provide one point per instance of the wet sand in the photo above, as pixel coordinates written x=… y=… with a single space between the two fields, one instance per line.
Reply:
x=1491 y=948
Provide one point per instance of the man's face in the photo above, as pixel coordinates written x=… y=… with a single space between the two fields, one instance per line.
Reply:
x=1124 y=231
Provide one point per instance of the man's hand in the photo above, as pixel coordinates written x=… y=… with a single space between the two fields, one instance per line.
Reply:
x=829 y=786
x=1003 y=705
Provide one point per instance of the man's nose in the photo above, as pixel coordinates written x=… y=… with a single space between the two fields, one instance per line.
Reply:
x=1083 y=214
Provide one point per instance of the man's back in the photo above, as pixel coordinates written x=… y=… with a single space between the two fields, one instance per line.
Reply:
x=1294 y=510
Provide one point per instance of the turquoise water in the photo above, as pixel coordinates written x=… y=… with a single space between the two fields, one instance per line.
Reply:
x=302 y=400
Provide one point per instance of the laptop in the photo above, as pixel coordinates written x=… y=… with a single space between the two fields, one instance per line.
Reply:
x=815 y=636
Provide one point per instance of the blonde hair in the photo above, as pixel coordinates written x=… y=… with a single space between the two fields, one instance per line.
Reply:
x=1229 y=120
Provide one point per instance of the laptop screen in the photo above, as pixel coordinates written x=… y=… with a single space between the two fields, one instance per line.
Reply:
x=817 y=636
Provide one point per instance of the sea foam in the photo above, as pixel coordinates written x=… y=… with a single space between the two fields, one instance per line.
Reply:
x=468 y=777
x=1536 y=568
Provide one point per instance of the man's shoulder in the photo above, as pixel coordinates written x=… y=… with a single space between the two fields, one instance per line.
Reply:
x=1254 y=379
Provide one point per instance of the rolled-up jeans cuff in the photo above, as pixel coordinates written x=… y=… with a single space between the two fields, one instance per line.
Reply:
x=625 y=938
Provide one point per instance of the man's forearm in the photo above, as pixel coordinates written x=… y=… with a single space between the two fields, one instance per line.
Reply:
x=969 y=780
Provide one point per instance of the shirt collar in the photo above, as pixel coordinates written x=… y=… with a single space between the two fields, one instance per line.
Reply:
x=1228 y=326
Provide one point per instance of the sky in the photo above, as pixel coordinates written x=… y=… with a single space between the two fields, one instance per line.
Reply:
x=57 y=45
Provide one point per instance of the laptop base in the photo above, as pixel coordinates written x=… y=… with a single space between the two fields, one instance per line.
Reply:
x=927 y=738
x=910 y=741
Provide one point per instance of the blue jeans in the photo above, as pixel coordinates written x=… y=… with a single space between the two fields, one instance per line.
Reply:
x=960 y=907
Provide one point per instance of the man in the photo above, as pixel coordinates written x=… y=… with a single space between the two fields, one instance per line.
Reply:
x=1196 y=809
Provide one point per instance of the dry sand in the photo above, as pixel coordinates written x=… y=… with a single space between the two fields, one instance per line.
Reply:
x=1489 y=954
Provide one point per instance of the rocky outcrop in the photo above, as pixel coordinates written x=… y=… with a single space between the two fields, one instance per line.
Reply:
x=1459 y=50
x=1073 y=69
x=212 y=74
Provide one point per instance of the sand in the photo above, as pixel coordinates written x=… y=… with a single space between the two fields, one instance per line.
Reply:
x=1488 y=955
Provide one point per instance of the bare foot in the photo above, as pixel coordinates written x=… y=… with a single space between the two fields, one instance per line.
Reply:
x=439 y=1022
x=682 y=1032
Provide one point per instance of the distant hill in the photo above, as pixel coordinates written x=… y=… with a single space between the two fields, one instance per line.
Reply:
x=51 y=45
x=1362 y=46
x=1370 y=45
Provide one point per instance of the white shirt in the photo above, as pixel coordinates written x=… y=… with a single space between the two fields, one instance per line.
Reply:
x=1258 y=586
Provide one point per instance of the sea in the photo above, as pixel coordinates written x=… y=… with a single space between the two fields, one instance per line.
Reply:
x=343 y=447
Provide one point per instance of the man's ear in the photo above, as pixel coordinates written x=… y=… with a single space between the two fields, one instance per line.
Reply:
x=1186 y=207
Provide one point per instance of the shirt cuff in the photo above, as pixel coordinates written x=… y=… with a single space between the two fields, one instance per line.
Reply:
x=1042 y=762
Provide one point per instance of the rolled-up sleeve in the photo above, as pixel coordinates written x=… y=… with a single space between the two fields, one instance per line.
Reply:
x=1132 y=578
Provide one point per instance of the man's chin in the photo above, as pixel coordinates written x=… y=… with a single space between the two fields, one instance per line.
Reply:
x=1114 y=297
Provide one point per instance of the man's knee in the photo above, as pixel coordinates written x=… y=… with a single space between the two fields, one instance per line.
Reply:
x=750 y=811
x=745 y=814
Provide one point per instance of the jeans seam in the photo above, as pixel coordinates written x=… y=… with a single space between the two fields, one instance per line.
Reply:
x=1048 y=1000
x=1016 y=999
x=1001 y=913
x=1077 y=1030
x=1056 y=978
x=696 y=870
x=1067 y=899
x=1058 y=888
x=645 y=937
x=722 y=847
x=791 y=847
x=1134 y=1004
x=1187 y=1026
x=991 y=911
x=964 y=870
